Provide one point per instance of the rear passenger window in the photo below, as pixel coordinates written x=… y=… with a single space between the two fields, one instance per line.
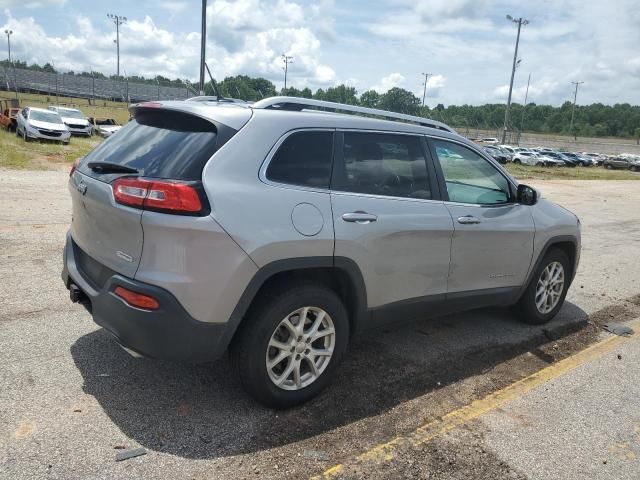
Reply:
x=383 y=164
x=304 y=159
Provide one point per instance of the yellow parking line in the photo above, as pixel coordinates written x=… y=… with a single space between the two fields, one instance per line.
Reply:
x=386 y=452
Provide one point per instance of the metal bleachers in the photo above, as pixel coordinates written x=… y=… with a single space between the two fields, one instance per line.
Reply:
x=86 y=87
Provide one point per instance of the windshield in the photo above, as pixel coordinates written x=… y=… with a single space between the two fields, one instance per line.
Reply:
x=71 y=113
x=50 y=117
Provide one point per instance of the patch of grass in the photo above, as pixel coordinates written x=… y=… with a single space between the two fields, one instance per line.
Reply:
x=15 y=153
x=526 y=172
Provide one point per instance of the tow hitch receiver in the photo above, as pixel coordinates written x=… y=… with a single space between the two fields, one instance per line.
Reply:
x=75 y=294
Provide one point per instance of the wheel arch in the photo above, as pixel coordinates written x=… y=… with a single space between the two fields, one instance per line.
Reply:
x=340 y=274
x=568 y=244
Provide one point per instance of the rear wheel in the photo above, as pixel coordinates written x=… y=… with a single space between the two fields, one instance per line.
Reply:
x=547 y=289
x=517 y=161
x=24 y=135
x=608 y=166
x=290 y=345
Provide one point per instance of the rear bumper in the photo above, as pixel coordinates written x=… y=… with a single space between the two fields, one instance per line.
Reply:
x=167 y=333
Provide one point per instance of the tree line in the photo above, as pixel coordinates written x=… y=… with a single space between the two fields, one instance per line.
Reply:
x=595 y=120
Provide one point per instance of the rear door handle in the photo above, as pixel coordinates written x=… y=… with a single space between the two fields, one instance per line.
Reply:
x=468 y=220
x=359 y=217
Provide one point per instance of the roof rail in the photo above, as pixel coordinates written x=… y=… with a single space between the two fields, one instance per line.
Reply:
x=298 y=104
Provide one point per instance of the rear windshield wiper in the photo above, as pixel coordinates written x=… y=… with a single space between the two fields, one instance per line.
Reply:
x=108 y=167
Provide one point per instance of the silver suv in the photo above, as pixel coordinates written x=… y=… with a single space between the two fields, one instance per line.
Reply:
x=279 y=230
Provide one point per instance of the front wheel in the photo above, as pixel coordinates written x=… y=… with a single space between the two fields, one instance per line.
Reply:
x=289 y=346
x=547 y=289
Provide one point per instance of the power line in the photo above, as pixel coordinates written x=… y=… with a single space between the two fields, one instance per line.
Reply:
x=286 y=59
x=573 y=110
x=524 y=107
x=117 y=20
x=520 y=21
x=426 y=80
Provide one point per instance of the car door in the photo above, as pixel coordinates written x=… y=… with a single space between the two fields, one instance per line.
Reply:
x=388 y=218
x=492 y=243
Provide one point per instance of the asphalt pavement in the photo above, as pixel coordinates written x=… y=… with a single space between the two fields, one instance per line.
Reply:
x=71 y=400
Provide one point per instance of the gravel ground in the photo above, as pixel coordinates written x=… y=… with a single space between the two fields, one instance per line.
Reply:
x=71 y=399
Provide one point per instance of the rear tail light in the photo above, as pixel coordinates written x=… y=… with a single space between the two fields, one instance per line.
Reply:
x=73 y=167
x=138 y=300
x=168 y=196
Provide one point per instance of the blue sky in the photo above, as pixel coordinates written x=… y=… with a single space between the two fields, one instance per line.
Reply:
x=466 y=44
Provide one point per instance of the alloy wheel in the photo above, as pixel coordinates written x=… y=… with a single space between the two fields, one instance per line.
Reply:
x=549 y=287
x=300 y=348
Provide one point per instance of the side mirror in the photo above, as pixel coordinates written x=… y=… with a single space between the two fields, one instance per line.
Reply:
x=527 y=195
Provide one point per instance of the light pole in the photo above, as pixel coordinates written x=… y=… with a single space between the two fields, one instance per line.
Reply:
x=424 y=92
x=203 y=44
x=573 y=110
x=287 y=60
x=520 y=21
x=118 y=20
x=8 y=33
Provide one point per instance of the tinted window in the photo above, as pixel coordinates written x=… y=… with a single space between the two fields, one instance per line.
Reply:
x=304 y=159
x=469 y=177
x=383 y=164
x=159 y=144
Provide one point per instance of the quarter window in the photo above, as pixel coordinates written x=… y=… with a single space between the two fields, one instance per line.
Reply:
x=304 y=159
x=469 y=177
x=383 y=164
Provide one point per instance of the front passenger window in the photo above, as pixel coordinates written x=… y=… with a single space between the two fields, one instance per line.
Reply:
x=469 y=177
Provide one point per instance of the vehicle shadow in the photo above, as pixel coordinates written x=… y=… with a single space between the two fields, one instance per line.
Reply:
x=201 y=411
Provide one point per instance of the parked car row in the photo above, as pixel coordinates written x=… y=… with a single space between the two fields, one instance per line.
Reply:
x=548 y=157
x=55 y=123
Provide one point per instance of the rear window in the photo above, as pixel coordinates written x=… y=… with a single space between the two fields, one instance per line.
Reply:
x=160 y=144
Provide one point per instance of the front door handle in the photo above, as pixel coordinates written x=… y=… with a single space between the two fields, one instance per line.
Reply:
x=468 y=220
x=359 y=217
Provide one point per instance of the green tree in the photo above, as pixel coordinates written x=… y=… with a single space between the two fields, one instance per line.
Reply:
x=370 y=99
x=401 y=101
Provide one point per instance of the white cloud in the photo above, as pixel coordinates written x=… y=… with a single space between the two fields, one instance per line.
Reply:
x=249 y=37
x=387 y=83
x=32 y=3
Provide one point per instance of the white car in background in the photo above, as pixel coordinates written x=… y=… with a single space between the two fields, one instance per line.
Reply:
x=528 y=157
x=75 y=120
x=105 y=127
x=41 y=124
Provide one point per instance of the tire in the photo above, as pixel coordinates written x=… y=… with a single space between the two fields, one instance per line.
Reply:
x=252 y=345
x=25 y=136
x=526 y=308
x=608 y=166
x=516 y=161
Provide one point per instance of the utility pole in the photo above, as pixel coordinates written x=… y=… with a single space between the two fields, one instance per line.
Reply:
x=573 y=110
x=118 y=20
x=8 y=33
x=203 y=44
x=524 y=107
x=520 y=21
x=426 y=80
x=287 y=60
